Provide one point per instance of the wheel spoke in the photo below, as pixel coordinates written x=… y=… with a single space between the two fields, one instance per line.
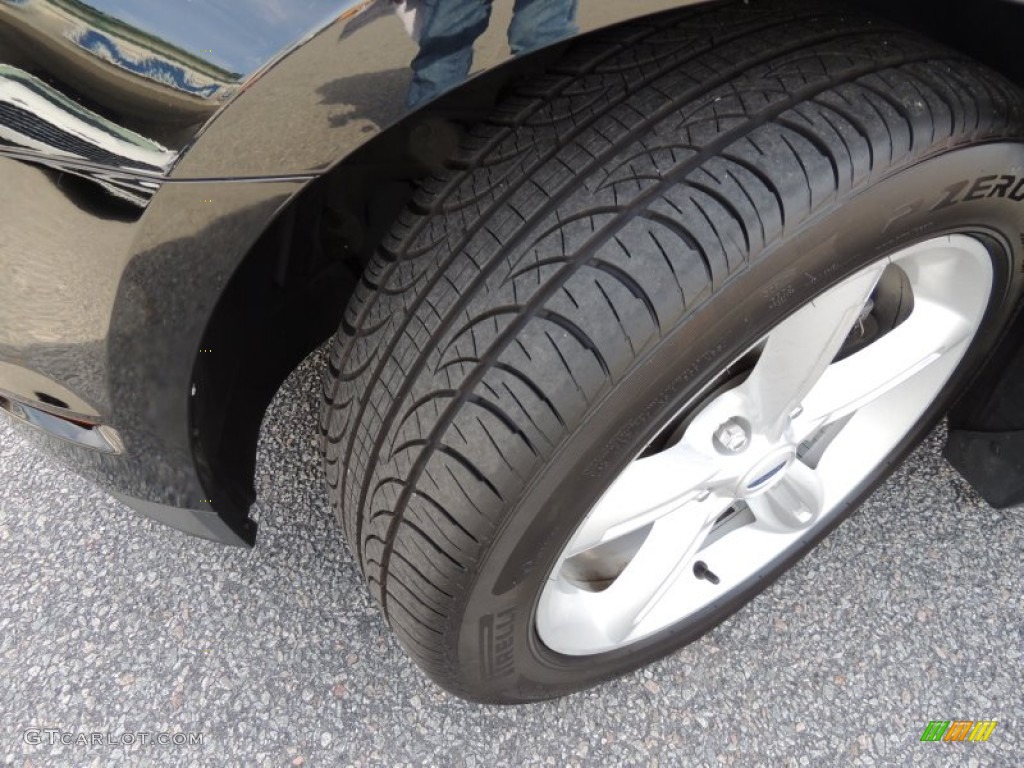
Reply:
x=794 y=503
x=666 y=556
x=801 y=348
x=647 y=489
x=931 y=332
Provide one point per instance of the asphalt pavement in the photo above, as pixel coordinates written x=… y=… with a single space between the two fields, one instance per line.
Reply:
x=111 y=625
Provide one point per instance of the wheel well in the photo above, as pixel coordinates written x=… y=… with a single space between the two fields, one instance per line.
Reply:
x=289 y=293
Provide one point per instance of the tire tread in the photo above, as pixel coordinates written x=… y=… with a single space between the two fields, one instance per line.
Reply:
x=598 y=208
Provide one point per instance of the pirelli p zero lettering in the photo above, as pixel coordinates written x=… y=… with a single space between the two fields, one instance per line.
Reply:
x=1002 y=185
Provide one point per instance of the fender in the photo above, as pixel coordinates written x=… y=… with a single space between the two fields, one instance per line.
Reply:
x=145 y=147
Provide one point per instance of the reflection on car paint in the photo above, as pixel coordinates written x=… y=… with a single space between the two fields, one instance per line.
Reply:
x=152 y=67
x=447 y=31
x=130 y=49
x=38 y=118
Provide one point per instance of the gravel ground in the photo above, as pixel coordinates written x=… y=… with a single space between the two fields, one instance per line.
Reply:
x=911 y=611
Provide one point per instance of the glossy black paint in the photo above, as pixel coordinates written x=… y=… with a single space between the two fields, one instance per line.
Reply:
x=158 y=68
x=187 y=194
x=113 y=333
x=146 y=149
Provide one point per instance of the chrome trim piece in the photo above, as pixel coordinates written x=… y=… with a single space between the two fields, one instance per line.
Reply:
x=97 y=437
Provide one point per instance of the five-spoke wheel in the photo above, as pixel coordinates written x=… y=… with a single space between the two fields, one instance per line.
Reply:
x=754 y=466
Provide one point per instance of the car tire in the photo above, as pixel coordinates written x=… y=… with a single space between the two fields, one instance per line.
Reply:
x=657 y=252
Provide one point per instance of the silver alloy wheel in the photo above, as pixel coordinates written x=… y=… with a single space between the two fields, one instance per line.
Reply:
x=761 y=464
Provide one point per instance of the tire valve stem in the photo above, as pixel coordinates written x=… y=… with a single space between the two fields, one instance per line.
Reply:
x=701 y=571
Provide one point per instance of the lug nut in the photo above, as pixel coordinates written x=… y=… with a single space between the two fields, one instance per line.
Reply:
x=733 y=436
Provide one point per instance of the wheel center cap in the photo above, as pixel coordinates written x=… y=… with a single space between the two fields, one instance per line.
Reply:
x=766 y=472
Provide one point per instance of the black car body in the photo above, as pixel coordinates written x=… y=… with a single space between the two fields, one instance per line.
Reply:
x=189 y=192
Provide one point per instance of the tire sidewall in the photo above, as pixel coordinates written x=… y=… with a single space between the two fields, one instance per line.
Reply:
x=498 y=655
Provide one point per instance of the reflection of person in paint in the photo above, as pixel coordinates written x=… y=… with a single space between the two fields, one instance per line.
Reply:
x=447 y=29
